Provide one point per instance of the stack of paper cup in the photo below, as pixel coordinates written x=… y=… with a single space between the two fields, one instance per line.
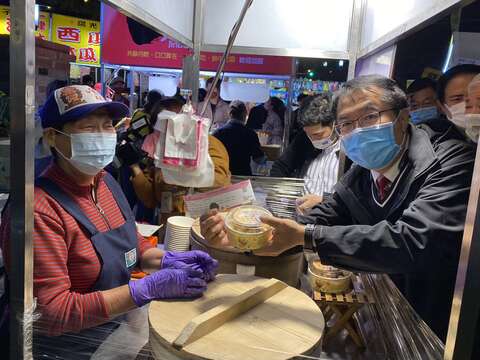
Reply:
x=177 y=234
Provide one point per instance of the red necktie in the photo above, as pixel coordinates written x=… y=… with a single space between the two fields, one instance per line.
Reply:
x=383 y=186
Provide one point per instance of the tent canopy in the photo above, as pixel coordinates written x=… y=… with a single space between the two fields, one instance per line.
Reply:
x=301 y=28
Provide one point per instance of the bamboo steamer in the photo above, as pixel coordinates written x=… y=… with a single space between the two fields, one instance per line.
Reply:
x=286 y=267
x=285 y=325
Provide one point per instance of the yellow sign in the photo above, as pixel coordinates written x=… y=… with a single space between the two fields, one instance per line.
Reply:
x=83 y=37
x=43 y=29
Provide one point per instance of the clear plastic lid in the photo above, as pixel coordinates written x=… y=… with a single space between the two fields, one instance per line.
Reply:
x=247 y=218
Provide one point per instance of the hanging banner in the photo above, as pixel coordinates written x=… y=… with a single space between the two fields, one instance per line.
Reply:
x=43 y=29
x=119 y=48
x=83 y=37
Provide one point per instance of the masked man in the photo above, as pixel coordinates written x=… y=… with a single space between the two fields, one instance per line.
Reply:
x=400 y=210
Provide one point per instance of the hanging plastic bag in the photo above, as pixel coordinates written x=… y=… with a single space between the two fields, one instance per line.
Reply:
x=180 y=170
x=181 y=141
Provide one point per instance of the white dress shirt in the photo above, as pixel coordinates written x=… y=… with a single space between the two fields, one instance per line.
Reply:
x=322 y=173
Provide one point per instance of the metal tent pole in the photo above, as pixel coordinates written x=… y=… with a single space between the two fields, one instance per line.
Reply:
x=355 y=35
x=22 y=107
x=231 y=40
x=197 y=37
x=466 y=300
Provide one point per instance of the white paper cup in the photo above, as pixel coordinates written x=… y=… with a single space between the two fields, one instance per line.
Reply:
x=180 y=222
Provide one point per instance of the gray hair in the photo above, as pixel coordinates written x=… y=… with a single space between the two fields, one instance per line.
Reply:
x=392 y=94
x=316 y=110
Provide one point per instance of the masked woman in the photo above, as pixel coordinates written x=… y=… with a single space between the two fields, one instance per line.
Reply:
x=85 y=238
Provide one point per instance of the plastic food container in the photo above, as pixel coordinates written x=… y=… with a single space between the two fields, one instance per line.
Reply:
x=244 y=228
x=329 y=279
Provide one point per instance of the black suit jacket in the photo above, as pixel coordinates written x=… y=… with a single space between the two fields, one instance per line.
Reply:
x=295 y=158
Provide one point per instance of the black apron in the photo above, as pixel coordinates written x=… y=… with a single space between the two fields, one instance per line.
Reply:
x=117 y=250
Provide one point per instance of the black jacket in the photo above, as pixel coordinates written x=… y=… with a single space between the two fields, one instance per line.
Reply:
x=439 y=127
x=242 y=145
x=418 y=238
x=295 y=158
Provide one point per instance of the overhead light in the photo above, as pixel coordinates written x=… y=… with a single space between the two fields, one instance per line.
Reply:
x=37 y=14
x=85 y=1
x=340 y=63
x=325 y=63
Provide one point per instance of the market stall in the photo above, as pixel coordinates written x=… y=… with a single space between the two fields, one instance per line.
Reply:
x=409 y=338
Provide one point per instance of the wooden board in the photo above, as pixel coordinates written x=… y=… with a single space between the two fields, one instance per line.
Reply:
x=286 y=325
x=230 y=309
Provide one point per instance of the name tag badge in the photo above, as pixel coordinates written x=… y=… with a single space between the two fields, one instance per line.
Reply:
x=131 y=258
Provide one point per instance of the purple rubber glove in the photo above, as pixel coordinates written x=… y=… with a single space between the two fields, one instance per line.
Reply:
x=167 y=284
x=197 y=260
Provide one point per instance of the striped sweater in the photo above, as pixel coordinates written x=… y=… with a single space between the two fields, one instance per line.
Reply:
x=66 y=265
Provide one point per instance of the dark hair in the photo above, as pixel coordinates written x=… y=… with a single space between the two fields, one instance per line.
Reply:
x=316 y=110
x=257 y=117
x=278 y=108
x=452 y=73
x=202 y=93
x=421 y=84
x=152 y=97
x=87 y=79
x=210 y=81
x=55 y=85
x=301 y=97
x=238 y=111
x=392 y=94
x=164 y=104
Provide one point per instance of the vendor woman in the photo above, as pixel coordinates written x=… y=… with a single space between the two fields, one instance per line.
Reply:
x=85 y=238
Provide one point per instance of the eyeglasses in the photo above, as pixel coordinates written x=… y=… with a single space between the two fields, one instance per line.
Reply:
x=370 y=119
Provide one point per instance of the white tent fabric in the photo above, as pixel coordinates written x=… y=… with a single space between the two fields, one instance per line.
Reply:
x=281 y=24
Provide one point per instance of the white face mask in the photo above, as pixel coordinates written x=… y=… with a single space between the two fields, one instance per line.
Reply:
x=457 y=114
x=91 y=152
x=473 y=126
x=322 y=144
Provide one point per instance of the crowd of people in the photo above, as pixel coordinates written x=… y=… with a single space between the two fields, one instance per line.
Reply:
x=399 y=209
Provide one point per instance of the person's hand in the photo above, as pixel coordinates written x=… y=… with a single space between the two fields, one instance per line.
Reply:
x=286 y=235
x=307 y=202
x=167 y=284
x=197 y=260
x=212 y=227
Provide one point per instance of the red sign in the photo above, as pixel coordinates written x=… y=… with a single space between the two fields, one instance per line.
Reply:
x=68 y=34
x=93 y=38
x=87 y=55
x=119 y=48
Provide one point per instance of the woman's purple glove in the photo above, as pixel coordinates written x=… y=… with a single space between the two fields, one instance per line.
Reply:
x=197 y=260
x=167 y=284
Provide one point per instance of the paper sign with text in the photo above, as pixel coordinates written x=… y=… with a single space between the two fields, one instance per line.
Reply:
x=225 y=198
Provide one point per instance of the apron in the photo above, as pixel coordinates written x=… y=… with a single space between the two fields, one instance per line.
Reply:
x=117 y=250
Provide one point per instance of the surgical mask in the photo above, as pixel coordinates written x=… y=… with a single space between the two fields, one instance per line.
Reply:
x=91 y=152
x=473 y=126
x=373 y=147
x=423 y=115
x=457 y=114
x=323 y=144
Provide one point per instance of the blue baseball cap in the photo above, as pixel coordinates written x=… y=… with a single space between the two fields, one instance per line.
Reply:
x=71 y=103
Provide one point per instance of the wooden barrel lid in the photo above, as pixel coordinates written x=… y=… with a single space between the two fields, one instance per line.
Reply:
x=286 y=325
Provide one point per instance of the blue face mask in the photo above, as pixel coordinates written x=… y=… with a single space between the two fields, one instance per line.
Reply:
x=91 y=152
x=373 y=147
x=424 y=115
